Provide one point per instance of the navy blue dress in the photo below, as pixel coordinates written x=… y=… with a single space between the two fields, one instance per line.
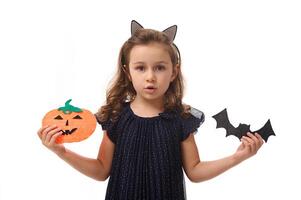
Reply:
x=147 y=158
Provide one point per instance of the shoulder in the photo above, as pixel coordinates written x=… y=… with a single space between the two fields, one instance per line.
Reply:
x=191 y=113
x=191 y=121
x=112 y=126
x=113 y=116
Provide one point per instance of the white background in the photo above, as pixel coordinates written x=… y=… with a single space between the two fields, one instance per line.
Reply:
x=243 y=55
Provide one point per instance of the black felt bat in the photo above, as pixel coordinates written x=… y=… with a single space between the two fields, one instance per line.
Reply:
x=222 y=121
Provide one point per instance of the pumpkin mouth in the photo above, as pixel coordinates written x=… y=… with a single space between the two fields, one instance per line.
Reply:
x=68 y=132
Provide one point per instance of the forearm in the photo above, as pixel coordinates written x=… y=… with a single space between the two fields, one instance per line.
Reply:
x=206 y=170
x=92 y=168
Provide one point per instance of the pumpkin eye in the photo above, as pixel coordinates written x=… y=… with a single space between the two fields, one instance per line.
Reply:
x=58 y=117
x=77 y=117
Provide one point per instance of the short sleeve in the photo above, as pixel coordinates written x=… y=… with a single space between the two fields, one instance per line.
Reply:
x=192 y=123
x=110 y=127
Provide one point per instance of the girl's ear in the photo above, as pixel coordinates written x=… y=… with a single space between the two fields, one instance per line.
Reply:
x=175 y=72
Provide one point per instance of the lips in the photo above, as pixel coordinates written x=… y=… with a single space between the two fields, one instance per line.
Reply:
x=150 y=89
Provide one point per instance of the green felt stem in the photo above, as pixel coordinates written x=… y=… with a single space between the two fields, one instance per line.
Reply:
x=67 y=109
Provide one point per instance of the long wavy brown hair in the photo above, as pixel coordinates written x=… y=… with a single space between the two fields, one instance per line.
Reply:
x=121 y=89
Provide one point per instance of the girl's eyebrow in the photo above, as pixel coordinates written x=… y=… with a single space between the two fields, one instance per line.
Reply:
x=162 y=62
x=140 y=62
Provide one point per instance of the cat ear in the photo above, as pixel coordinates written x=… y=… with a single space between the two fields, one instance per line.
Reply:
x=171 y=32
x=135 y=26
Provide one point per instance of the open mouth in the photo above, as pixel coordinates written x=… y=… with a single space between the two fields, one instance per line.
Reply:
x=68 y=132
x=150 y=89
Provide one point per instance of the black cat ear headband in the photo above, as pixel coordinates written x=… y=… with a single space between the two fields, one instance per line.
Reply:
x=170 y=31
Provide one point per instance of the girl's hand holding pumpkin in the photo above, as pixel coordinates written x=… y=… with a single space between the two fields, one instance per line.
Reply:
x=48 y=136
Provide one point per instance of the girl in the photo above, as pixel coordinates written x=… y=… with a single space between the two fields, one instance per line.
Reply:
x=148 y=131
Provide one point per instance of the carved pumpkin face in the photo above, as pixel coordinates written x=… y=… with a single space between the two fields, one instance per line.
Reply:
x=76 y=124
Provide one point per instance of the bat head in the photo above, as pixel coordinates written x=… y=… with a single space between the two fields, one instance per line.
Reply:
x=243 y=129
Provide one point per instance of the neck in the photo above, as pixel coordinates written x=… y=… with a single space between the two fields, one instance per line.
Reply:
x=156 y=105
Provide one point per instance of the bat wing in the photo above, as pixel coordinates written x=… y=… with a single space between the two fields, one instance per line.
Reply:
x=266 y=131
x=222 y=121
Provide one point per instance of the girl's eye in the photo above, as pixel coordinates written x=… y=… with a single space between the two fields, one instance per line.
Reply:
x=160 y=67
x=140 y=68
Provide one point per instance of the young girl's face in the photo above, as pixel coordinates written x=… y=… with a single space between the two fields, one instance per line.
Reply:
x=151 y=71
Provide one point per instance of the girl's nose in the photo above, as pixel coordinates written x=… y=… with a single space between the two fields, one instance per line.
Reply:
x=150 y=75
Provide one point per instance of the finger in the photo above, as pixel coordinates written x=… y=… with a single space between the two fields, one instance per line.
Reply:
x=259 y=138
x=54 y=137
x=242 y=141
x=250 y=143
x=48 y=128
x=246 y=145
x=254 y=138
x=251 y=135
x=41 y=130
x=258 y=141
x=50 y=134
x=46 y=131
x=245 y=142
x=249 y=139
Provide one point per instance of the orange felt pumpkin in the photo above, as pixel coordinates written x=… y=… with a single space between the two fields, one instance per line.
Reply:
x=76 y=124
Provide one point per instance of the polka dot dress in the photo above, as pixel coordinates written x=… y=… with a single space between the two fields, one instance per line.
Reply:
x=147 y=158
